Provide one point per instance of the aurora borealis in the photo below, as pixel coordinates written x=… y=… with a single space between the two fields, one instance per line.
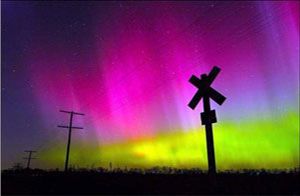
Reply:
x=126 y=66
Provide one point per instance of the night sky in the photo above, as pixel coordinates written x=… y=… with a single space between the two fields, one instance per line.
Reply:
x=126 y=66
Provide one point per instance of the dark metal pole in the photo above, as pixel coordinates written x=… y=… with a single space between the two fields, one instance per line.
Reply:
x=69 y=142
x=209 y=134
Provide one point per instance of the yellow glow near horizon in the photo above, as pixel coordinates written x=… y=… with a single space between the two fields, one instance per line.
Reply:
x=252 y=145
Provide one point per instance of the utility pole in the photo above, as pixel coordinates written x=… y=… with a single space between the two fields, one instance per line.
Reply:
x=208 y=116
x=70 y=127
x=29 y=157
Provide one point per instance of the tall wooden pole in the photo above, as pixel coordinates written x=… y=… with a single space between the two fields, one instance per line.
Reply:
x=69 y=141
x=29 y=157
x=70 y=127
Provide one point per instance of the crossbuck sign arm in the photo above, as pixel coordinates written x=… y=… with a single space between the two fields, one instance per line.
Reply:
x=204 y=88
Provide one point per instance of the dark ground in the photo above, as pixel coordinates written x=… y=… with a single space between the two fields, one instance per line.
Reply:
x=154 y=182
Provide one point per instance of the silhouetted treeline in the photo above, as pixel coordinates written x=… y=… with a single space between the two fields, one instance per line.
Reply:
x=162 y=170
x=157 y=180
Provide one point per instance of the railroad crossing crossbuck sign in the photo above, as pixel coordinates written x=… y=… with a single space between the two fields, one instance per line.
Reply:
x=208 y=117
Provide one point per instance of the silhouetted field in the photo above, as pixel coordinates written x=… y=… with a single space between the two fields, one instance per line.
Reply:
x=153 y=181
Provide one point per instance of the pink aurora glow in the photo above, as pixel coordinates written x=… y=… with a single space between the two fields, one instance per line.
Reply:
x=132 y=82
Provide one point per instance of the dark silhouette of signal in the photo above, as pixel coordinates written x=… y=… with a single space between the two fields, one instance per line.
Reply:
x=208 y=117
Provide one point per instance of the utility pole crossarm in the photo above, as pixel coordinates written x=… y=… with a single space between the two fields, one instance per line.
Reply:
x=67 y=127
x=69 y=112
